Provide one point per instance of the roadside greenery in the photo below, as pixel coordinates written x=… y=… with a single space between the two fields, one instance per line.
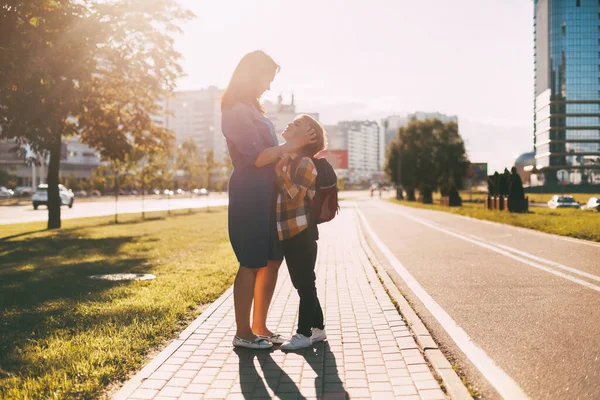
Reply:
x=65 y=336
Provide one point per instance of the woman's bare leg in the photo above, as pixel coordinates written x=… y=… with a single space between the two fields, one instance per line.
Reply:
x=266 y=280
x=243 y=292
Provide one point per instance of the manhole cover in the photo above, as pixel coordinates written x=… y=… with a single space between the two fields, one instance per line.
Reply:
x=124 y=277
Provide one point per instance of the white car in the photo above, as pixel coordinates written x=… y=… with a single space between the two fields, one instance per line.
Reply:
x=40 y=197
x=5 y=193
x=563 y=202
x=593 y=204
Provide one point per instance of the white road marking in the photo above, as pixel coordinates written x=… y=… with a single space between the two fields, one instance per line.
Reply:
x=499 y=379
x=549 y=262
x=532 y=231
x=495 y=249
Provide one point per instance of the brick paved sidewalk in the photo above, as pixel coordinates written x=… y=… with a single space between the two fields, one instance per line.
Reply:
x=369 y=354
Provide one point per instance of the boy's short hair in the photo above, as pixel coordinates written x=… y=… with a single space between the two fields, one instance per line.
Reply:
x=312 y=149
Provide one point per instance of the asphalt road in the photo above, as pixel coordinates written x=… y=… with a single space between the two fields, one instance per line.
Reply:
x=106 y=206
x=530 y=301
x=26 y=213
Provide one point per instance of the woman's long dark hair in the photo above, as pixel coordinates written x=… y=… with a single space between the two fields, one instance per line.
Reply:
x=242 y=86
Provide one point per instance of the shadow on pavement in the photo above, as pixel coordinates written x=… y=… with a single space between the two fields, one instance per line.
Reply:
x=328 y=385
x=253 y=385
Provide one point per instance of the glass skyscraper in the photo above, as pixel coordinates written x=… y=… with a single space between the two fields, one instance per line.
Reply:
x=567 y=89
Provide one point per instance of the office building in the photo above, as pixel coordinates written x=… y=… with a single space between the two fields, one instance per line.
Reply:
x=364 y=149
x=567 y=89
x=196 y=114
x=281 y=114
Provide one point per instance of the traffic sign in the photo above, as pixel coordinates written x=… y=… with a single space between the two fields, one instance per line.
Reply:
x=563 y=176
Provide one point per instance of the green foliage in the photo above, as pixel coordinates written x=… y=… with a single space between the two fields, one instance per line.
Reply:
x=211 y=166
x=564 y=222
x=516 y=196
x=190 y=162
x=455 y=199
x=65 y=336
x=427 y=195
x=96 y=69
x=426 y=153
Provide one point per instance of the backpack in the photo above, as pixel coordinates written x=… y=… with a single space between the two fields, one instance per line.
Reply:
x=324 y=206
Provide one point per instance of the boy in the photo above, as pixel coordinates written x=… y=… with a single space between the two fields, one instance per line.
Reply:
x=296 y=178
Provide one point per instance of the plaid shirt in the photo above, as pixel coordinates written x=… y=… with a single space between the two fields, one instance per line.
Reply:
x=292 y=210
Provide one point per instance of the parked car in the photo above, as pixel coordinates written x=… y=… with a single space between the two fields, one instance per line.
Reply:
x=563 y=202
x=5 y=193
x=201 y=192
x=96 y=193
x=156 y=192
x=180 y=191
x=168 y=192
x=81 y=193
x=23 y=191
x=40 y=197
x=592 y=204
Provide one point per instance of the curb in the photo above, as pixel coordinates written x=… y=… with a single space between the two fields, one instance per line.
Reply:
x=452 y=383
x=132 y=384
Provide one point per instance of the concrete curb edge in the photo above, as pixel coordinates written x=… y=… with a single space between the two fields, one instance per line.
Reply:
x=452 y=382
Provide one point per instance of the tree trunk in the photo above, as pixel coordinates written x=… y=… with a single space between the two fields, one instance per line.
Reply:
x=53 y=177
x=117 y=188
x=399 y=195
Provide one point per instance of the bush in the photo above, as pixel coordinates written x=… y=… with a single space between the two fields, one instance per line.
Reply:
x=516 y=195
x=455 y=199
x=427 y=195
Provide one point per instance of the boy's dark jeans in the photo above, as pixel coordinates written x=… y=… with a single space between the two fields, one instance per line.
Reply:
x=300 y=256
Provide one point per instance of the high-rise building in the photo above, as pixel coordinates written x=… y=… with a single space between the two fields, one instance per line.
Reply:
x=567 y=89
x=364 y=149
x=336 y=138
x=196 y=114
x=281 y=114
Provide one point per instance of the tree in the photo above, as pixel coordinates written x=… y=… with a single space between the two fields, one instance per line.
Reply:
x=188 y=160
x=96 y=69
x=504 y=183
x=210 y=165
x=426 y=154
x=516 y=196
x=451 y=156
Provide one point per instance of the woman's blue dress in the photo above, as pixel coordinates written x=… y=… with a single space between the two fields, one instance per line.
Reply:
x=252 y=190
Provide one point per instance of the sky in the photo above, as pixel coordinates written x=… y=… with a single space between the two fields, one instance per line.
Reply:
x=359 y=59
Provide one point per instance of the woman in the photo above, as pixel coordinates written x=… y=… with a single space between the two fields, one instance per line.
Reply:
x=253 y=149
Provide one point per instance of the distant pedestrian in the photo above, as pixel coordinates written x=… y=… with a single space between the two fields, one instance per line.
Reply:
x=254 y=150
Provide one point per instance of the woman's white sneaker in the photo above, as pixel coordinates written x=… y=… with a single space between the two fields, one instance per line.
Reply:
x=276 y=338
x=318 y=335
x=257 y=344
x=296 y=342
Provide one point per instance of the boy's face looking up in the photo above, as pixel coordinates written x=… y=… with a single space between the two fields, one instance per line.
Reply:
x=297 y=126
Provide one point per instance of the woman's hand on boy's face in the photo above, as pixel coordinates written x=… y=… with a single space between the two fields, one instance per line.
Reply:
x=283 y=160
x=305 y=134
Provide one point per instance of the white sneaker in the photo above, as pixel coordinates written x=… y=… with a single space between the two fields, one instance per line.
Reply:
x=257 y=344
x=276 y=338
x=296 y=342
x=318 y=335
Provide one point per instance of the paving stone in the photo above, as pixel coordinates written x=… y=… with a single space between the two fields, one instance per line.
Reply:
x=154 y=384
x=144 y=394
x=370 y=352
x=433 y=394
x=171 y=391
